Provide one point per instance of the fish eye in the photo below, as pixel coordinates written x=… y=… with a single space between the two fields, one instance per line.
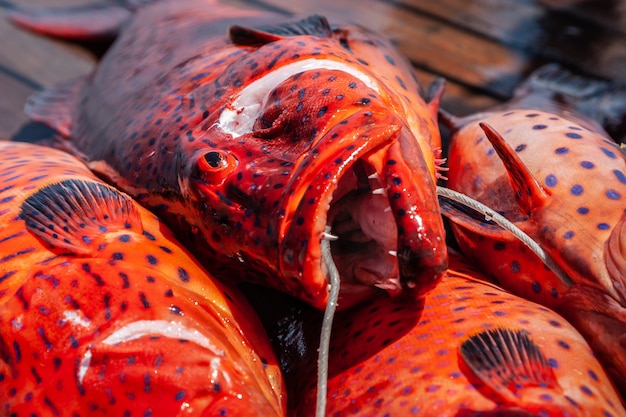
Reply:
x=215 y=166
x=215 y=159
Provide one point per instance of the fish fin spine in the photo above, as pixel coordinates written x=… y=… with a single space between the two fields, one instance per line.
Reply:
x=528 y=192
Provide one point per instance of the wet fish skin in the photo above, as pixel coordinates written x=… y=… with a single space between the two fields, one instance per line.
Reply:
x=558 y=176
x=102 y=310
x=170 y=116
x=440 y=359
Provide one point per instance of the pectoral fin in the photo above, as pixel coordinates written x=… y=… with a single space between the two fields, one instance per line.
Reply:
x=71 y=214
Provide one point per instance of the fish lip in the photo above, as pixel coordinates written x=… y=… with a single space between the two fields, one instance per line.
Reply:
x=303 y=262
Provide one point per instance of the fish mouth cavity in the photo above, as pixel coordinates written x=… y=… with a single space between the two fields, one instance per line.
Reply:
x=363 y=230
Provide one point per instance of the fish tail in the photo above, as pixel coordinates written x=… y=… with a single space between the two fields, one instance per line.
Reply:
x=602 y=101
x=560 y=80
x=56 y=105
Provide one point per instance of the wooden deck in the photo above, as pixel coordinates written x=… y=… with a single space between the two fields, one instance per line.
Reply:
x=484 y=48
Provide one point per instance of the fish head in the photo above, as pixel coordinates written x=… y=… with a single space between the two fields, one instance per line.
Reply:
x=473 y=347
x=553 y=172
x=316 y=150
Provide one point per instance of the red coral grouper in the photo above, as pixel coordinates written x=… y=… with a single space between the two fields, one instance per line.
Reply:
x=102 y=312
x=560 y=178
x=473 y=350
x=251 y=137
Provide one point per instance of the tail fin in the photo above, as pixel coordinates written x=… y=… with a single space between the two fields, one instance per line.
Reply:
x=56 y=106
x=602 y=101
x=559 y=80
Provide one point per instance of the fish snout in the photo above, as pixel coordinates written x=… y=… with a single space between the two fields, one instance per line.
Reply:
x=422 y=251
x=372 y=195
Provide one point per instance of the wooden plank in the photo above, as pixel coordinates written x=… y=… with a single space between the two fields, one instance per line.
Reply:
x=29 y=62
x=458 y=99
x=562 y=32
x=431 y=45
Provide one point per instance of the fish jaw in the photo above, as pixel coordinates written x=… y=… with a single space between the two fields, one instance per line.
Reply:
x=372 y=194
x=289 y=140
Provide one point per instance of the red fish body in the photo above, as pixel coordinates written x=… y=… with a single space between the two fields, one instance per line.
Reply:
x=472 y=349
x=102 y=312
x=558 y=176
x=251 y=145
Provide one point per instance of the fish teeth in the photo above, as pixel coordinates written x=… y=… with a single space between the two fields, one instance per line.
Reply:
x=373 y=176
x=393 y=253
x=329 y=236
x=387 y=210
x=391 y=285
x=378 y=191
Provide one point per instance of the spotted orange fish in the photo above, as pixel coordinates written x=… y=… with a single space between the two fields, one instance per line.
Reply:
x=102 y=312
x=471 y=349
x=560 y=178
x=251 y=138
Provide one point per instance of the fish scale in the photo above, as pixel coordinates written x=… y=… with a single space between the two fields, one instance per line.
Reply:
x=559 y=177
x=99 y=302
x=221 y=120
x=471 y=349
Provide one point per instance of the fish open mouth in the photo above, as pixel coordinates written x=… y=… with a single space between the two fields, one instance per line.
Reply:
x=361 y=174
x=363 y=231
x=380 y=212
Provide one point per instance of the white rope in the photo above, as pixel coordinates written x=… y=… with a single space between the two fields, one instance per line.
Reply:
x=507 y=225
x=327 y=324
x=334 y=283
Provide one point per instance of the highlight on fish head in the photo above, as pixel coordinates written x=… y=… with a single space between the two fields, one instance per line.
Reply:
x=318 y=150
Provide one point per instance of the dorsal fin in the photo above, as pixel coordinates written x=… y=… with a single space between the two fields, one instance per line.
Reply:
x=313 y=25
x=507 y=361
x=56 y=106
x=70 y=214
x=615 y=256
x=528 y=192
